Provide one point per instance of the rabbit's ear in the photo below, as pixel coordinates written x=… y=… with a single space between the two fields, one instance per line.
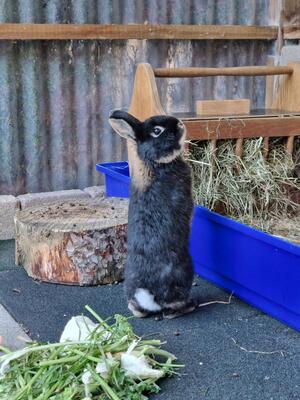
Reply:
x=124 y=124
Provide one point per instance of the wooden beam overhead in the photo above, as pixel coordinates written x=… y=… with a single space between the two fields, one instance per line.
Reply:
x=143 y=31
x=135 y=31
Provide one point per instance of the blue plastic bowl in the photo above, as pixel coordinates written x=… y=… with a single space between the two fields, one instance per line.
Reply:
x=259 y=268
x=117 y=180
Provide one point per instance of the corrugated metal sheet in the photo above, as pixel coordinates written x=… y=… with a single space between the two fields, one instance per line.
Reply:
x=56 y=96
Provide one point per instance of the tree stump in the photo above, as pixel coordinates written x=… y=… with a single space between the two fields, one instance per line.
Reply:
x=72 y=243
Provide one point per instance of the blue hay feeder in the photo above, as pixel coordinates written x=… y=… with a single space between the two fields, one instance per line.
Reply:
x=261 y=269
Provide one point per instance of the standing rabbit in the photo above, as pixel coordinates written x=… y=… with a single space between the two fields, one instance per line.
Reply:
x=158 y=271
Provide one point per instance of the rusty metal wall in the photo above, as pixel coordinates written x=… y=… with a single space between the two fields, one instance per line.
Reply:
x=56 y=95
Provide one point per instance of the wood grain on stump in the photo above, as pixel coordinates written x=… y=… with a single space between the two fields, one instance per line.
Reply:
x=72 y=243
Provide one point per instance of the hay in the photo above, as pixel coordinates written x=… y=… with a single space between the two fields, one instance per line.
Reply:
x=251 y=189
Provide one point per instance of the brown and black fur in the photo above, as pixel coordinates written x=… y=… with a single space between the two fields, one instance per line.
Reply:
x=160 y=211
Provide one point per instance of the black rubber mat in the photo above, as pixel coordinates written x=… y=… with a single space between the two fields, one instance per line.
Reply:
x=230 y=351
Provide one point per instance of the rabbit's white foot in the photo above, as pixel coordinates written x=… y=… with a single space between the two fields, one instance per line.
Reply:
x=136 y=311
x=146 y=300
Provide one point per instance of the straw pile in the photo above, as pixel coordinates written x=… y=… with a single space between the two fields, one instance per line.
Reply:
x=255 y=190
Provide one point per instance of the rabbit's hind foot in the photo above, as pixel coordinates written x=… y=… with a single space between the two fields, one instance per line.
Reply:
x=170 y=313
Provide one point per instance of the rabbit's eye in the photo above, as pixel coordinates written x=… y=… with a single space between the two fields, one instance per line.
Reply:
x=158 y=130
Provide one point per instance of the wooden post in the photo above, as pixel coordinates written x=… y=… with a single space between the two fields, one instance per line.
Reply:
x=288 y=98
x=269 y=96
x=213 y=154
x=145 y=99
x=144 y=104
x=266 y=147
x=239 y=147
x=270 y=83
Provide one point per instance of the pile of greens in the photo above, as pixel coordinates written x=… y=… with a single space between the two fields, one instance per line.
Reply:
x=105 y=362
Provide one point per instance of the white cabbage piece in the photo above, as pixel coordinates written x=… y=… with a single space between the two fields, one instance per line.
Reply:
x=138 y=366
x=77 y=329
x=86 y=380
x=86 y=377
x=106 y=365
x=103 y=368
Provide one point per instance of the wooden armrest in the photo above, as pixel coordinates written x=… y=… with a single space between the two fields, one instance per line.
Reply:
x=193 y=72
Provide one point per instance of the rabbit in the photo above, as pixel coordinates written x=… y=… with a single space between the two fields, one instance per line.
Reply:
x=158 y=270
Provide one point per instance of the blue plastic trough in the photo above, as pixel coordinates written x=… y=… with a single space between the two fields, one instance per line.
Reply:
x=261 y=269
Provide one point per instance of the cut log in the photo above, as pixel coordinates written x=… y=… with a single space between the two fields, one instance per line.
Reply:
x=72 y=243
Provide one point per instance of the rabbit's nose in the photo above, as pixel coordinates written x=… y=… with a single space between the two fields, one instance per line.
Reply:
x=181 y=127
